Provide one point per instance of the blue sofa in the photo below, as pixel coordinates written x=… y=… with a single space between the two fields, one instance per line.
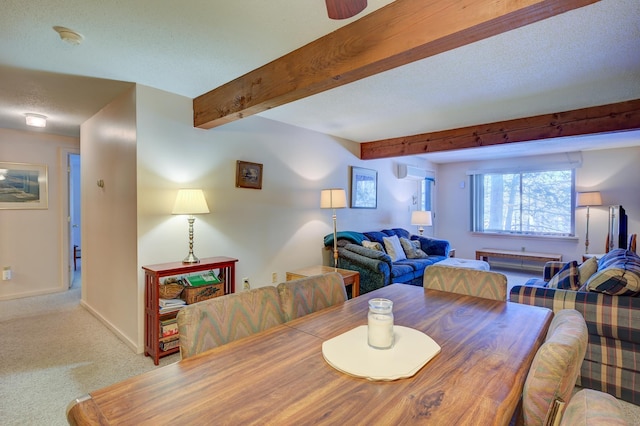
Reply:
x=375 y=267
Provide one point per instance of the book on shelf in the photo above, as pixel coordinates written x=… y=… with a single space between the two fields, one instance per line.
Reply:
x=168 y=329
x=171 y=308
x=169 y=344
x=171 y=302
x=198 y=280
x=170 y=305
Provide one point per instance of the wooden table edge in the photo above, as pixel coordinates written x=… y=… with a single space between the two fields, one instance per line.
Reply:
x=85 y=411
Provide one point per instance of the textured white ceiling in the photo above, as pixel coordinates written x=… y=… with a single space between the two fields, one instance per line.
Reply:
x=585 y=57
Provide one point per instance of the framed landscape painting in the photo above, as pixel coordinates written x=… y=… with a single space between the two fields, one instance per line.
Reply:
x=248 y=175
x=364 y=188
x=23 y=186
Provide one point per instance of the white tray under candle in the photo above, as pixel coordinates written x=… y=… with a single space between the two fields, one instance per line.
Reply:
x=350 y=353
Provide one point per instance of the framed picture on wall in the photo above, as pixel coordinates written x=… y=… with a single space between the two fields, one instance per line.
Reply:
x=248 y=175
x=364 y=188
x=23 y=186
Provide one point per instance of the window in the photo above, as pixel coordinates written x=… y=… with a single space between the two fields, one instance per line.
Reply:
x=531 y=203
x=426 y=190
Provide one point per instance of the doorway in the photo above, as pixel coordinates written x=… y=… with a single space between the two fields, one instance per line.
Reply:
x=75 y=221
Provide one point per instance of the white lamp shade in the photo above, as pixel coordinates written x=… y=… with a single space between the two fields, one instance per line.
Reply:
x=335 y=198
x=421 y=217
x=591 y=198
x=190 y=201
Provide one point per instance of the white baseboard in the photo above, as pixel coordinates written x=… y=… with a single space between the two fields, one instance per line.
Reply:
x=113 y=328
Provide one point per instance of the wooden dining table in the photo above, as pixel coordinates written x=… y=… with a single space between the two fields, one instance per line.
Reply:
x=279 y=376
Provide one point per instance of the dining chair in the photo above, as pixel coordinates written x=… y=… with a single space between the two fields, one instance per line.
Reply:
x=214 y=322
x=593 y=408
x=305 y=295
x=471 y=282
x=547 y=394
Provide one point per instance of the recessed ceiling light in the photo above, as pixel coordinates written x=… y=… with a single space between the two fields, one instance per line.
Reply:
x=68 y=35
x=36 y=120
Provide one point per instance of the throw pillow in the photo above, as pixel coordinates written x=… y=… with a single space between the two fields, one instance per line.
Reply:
x=615 y=281
x=412 y=249
x=394 y=248
x=373 y=245
x=587 y=269
x=567 y=278
x=618 y=274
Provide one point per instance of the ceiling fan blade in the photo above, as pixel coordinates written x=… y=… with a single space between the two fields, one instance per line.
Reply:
x=343 y=9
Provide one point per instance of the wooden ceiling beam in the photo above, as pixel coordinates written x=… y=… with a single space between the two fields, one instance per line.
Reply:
x=620 y=116
x=402 y=32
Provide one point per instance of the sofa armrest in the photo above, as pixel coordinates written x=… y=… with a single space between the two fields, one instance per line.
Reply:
x=433 y=246
x=374 y=266
x=617 y=317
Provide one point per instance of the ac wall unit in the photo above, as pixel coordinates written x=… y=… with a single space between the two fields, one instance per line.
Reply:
x=411 y=172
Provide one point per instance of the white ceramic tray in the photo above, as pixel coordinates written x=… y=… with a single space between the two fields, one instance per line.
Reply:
x=350 y=353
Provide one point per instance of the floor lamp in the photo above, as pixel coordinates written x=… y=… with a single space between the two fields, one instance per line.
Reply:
x=334 y=198
x=588 y=199
x=190 y=202
x=421 y=218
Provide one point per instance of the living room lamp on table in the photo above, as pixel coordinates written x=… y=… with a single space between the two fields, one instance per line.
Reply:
x=334 y=198
x=190 y=202
x=588 y=199
x=421 y=218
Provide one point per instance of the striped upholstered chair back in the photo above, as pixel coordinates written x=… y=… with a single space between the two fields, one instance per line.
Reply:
x=554 y=371
x=593 y=408
x=305 y=295
x=214 y=322
x=472 y=282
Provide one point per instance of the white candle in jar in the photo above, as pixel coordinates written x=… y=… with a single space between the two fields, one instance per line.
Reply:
x=380 y=324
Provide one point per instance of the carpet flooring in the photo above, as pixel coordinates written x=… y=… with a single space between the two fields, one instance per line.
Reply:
x=54 y=351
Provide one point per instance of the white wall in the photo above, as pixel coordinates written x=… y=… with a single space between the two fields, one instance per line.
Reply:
x=276 y=229
x=33 y=242
x=613 y=172
x=109 y=217
x=146 y=156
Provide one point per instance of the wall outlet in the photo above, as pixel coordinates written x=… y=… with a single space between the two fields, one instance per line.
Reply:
x=6 y=273
x=274 y=277
x=245 y=284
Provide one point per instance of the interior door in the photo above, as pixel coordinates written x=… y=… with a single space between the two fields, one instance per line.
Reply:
x=74 y=218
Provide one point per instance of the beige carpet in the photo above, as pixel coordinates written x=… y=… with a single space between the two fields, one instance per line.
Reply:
x=54 y=351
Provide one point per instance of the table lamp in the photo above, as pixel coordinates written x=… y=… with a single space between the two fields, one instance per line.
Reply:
x=588 y=199
x=190 y=202
x=421 y=218
x=334 y=198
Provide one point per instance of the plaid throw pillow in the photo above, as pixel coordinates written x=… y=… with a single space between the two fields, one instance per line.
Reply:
x=568 y=278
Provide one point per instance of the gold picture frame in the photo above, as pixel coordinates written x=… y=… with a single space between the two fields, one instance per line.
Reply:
x=23 y=186
x=248 y=175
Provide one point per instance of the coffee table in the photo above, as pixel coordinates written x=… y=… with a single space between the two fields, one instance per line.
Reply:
x=350 y=278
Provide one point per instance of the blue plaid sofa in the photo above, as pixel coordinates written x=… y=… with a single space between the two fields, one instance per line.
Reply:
x=609 y=300
x=376 y=267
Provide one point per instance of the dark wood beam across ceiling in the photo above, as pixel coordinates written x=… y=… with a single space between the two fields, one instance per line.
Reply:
x=600 y=119
x=402 y=32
